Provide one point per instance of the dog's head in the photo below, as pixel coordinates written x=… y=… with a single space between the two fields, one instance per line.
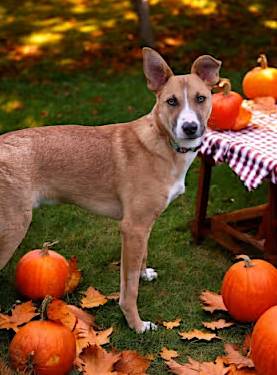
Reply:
x=184 y=101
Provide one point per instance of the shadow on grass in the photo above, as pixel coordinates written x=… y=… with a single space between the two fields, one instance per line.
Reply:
x=39 y=37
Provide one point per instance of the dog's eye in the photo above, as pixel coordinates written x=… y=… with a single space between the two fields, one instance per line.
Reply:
x=172 y=101
x=200 y=98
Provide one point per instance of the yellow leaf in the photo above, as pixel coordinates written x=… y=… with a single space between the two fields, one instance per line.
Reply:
x=212 y=301
x=21 y=314
x=132 y=363
x=92 y=298
x=58 y=311
x=172 y=324
x=74 y=275
x=197 y=334
x=168 y=354
x=218 y=324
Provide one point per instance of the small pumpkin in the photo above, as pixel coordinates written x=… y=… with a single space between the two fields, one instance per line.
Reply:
x=227 y=111
x=264 y=343
x=45 y=347
x=260 y=81
x=42 y=272
x=249 y=288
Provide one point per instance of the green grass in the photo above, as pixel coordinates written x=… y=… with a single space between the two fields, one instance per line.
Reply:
x=184 y=268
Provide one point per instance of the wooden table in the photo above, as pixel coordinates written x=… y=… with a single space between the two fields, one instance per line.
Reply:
x=233 y=229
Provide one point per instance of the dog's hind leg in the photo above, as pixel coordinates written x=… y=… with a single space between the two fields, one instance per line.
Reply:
x=13 y=228
x=146 y=273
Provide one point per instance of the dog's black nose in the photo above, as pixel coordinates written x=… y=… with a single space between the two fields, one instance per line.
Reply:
x=190 y=128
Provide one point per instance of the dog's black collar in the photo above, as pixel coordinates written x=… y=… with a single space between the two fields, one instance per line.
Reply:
x=181 y=149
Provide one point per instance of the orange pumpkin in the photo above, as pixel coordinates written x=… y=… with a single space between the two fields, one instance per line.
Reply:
x=40 y=273
x=264 y=343
x=260 y=81
x=48 y=348
x=249 y=288
x=227 y=112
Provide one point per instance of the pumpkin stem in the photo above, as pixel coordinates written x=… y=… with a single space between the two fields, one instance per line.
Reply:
x=46 y=246
x=262 y=60
x=225 y=84
x=247 y=261
x=44 y=306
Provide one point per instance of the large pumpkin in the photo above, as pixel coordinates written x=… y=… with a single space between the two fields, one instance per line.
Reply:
x=249 y=288
x=48 y=348
x=260 y=81
x=40 y=273
x=264 y=343
x=227 y=111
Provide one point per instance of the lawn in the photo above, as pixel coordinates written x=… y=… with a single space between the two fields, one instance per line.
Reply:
x=70 y=65
x=184 y=268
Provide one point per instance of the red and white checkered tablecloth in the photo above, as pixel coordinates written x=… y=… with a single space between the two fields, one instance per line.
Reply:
x=251 y=152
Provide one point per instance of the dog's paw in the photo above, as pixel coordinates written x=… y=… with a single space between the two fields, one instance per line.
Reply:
x=148 y=274
x=148 y=326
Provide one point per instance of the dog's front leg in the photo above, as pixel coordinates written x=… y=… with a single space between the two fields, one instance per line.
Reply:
x=134 y=247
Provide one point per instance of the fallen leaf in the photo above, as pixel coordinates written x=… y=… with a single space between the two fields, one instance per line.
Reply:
x=85 y=335
x=172 y=324
x=246 y=344
x=234 y=357
x=58 y=311
x=212 y=301
x=82 y=315
x=113 y=296
x=132 y=363
x=92 y=298
x=95 y=360
x=20 y=314
x=168 y=354
x=245 y=371
x=151 y=357
x=74 y=275
x=197 y=334
x=201 y=368
x=218 y=324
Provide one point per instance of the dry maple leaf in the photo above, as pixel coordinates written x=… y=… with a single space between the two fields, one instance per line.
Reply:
x=92 y=298
x=172 y=324
x=74 y=275
x=197 y=334
x=245 y=371
x=234 y=357
x=82 y=315
x=198 y=368
x=168 y=354
x=132 y=363
x=246 y=344
x=212 y=301
x=58 y=311
x=85 y=335
x=218 y=324
x=20 y=314
x=95 y=360
x=113 y=296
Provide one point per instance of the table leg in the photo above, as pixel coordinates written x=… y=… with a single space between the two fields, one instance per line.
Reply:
x=271 y=231
x=200 y=225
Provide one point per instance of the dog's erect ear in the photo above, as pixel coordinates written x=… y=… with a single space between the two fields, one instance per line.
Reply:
x=156 y=70
x=207 y=68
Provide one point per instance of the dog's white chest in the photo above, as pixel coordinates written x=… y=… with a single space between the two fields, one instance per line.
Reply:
x=178 y=186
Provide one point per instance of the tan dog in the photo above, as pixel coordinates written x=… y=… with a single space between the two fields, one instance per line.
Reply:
x=129 y=172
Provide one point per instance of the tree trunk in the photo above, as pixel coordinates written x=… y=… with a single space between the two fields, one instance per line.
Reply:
x=142 y=10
